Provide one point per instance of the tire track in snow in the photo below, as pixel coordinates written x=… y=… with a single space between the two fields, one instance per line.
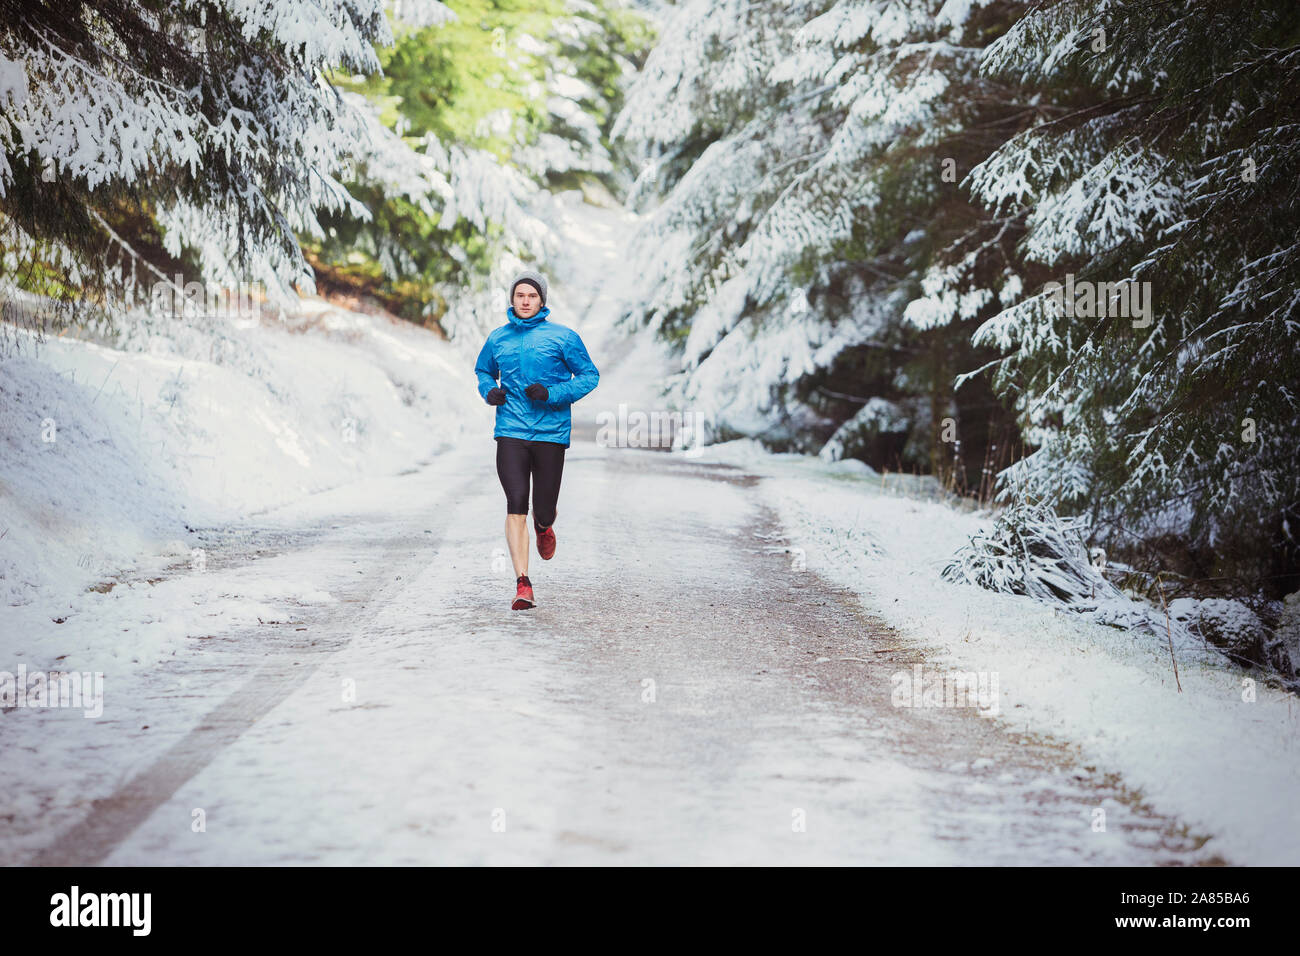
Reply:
x=662 y=575
x=114 y=818
x=770 y=697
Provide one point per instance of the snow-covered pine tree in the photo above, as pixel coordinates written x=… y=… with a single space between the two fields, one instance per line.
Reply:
x=439 y=215
x=475 y=117
x=1163 y=152
x=588 y=56
x=810 y=154
x=210 y=118
x=710 y=135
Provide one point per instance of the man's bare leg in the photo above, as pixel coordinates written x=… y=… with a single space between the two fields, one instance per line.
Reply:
x=517 y=539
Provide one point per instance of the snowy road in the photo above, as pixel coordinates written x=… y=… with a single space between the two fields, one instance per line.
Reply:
x=481 y=735
x=344 y=682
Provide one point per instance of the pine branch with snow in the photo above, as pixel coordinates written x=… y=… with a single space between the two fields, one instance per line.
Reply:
x=1162 y=163
x=188 y=109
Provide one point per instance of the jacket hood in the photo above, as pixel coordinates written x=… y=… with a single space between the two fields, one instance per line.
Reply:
x=537 y=318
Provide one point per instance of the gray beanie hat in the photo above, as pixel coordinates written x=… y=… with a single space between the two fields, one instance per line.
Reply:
x=534 y=279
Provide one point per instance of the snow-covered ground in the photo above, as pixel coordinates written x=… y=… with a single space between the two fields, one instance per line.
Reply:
x=336 y=482
x=107 y=457
x=1221 y=758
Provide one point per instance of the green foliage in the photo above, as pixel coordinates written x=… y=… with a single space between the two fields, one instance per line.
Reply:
x=457 y=82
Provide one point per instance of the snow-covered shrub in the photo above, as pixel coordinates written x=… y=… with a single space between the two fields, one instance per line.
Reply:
x=1285 y=646
x=1031 y=550
x=1243 y=633
x=1229 y=625
x=878 y=418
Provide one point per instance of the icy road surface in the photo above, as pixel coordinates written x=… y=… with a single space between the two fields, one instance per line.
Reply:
x=343 y=681
x=681 y=694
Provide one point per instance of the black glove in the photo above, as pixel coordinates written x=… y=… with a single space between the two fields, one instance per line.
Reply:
x=537 y=393
x=495 y=396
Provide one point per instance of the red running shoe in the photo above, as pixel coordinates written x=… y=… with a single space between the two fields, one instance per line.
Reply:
x=523 y=594
x=546 y=543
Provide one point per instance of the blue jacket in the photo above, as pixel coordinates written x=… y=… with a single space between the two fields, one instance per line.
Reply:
x=528 y=351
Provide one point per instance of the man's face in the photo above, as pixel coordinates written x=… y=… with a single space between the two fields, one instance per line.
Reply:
x=527 y=301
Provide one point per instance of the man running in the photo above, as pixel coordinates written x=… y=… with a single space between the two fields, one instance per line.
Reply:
x=543 y=368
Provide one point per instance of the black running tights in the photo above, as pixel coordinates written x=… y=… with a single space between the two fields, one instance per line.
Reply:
x=543 y=461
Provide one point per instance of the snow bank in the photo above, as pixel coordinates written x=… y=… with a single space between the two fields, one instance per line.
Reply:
x=1219 y=753
x=109 y=459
